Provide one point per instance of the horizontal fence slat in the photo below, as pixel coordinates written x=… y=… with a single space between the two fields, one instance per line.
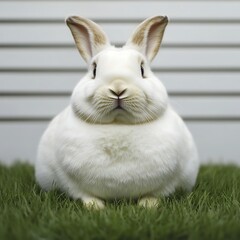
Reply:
x=35 y=82
x=119 y=10
x=20 y=141
x=32 y=107
x=211 y=139
x=70 y=58
x=59 y=34
x=188 y=107
x=65 y=82
x=207 y=107
x=201 y=82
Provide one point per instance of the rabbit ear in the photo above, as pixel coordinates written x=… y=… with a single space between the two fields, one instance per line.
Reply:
x=89 y=37
x=148 y=36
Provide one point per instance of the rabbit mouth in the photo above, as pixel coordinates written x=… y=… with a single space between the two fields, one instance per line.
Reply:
x=119 y=104
x=119 y=108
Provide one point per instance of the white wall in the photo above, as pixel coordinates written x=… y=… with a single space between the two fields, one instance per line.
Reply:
x=199 y=63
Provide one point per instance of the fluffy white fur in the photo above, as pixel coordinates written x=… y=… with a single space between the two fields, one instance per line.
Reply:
x=119 y=138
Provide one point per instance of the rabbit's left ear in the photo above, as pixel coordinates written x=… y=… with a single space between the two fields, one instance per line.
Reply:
x=148 y=36
x=89 y=37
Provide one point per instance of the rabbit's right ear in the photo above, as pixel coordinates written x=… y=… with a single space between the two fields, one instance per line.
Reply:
x=148 y=36
x=89 y=37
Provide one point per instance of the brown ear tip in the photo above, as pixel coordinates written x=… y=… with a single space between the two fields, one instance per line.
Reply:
x=165 y=19
x=160 y=19
x=71 y=19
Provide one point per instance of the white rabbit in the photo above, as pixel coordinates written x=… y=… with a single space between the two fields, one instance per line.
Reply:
x=119 y=137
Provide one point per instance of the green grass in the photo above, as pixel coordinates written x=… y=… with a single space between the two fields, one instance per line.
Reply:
x=211 y=211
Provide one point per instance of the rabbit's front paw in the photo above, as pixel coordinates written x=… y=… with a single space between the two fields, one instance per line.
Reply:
x=148 y=202
x=93 y=203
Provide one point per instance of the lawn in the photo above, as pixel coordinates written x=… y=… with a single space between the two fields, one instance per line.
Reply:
x=211 y=211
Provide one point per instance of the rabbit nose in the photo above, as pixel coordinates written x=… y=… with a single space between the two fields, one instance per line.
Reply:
x=117 y=93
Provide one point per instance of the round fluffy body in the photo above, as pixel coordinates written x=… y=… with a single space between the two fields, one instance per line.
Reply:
x=119 y=137
x=114 y=161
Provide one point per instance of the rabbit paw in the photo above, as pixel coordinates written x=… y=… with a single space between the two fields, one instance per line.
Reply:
x=93 y=203
x=148 y=202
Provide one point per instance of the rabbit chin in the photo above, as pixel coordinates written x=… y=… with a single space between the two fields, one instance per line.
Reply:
x=117 y=116
x=122 y=116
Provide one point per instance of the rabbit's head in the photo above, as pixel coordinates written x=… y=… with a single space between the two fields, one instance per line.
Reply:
x=119 y=86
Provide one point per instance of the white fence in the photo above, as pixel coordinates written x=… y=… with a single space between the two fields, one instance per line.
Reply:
x=199 y=63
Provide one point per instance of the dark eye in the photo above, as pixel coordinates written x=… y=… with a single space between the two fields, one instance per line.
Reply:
x=142 y=70
x=94 y=70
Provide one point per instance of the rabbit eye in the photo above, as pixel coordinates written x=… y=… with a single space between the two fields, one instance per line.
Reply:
x=94 y=70
x=142 y=70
